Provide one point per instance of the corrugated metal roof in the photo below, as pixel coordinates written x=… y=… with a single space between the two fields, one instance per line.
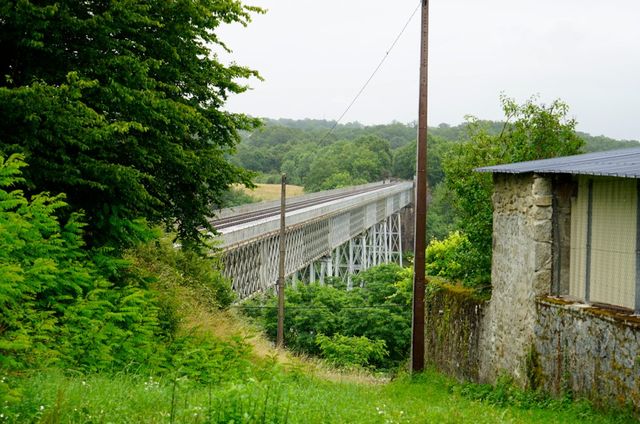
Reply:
x=614 y=163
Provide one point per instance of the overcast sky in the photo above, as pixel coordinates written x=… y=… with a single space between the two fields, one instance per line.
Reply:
x=315 y=55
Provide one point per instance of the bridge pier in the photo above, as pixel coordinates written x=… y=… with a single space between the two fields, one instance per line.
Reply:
x=380 y=244
x=407 y=215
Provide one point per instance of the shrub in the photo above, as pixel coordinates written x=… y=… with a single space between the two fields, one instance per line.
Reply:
x=378 y=308
x=61 y=303
x=456 y=259
x=351 y=351
x=235 y=196
x=206 y=359
x=167 y=267
x=447 y=258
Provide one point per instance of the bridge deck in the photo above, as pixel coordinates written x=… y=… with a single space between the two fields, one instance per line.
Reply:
x=242 y=224
x=364 y=217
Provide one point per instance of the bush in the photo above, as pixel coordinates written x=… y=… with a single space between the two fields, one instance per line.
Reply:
x=65 y=305
x=62 y=304
x=236 y=196
x=457 y=260
x=262 y=178
x=168 y=267
x=351 y=351
x=378 y=308
x=447 y=258
x=206 y=359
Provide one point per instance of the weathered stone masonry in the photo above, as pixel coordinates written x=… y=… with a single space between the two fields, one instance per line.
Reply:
x=453 y=324
x=526 y=331
x=521 y=272
x=592 y=352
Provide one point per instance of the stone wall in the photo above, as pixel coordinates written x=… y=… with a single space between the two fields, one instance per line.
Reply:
x=453 y=324
x=521 y=271
x=540 y=341
x=593 y=352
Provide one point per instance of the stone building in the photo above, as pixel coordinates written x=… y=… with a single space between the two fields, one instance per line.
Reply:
x=566 y=276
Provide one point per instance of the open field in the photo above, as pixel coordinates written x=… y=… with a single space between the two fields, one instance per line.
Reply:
x=272 y=191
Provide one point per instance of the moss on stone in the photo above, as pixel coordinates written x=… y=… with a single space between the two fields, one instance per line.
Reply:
x=602 y=311
x=453 y=319
x=533 y=368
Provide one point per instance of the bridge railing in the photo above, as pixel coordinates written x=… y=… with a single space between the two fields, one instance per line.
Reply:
x=253 y=207
x=265 y=226
x=250 y=250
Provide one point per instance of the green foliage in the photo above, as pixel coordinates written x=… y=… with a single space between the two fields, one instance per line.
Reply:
x=351 y=351
x=366 y=159
x=236 y=197
x=340 y=180
x=270 y=178
x=441 y=214
x=531 y=131
x=505 y=394
x=66 y=306
x=167 y=267
x=378 y=308
x=601 y=143
x=446 y=258
x=119 y=105
x=59 y=305
x=274 y=396
x=207 y=360
x=188 y=364
x=291 y=146
x=404 y=160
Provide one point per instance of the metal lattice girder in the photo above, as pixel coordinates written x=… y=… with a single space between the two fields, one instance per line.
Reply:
x=379 y=244
x=340 y=244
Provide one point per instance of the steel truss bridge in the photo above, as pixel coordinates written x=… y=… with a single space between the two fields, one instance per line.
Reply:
x=335 y=233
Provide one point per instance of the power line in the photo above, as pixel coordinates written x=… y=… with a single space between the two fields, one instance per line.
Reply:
x=384 y=58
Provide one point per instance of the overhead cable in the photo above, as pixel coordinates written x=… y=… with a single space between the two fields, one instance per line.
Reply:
x=384 y=58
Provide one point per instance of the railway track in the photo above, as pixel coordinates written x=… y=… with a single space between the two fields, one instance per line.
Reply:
x=292 y=205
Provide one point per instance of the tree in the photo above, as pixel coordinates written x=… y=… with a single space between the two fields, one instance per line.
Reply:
x=531 y=131
x=404 y=160
x=381 y=149
x=297 y=162
x=340 y=180
x=344 y=163
x=119 y=105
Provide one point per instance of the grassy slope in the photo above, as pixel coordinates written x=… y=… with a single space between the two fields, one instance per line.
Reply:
x=292 y=397
x=283 y=388
x=287 y=389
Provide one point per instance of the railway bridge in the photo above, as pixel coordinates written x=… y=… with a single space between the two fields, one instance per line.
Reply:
x=335 y=233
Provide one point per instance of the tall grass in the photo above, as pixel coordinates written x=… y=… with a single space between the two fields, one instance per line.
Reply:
x=272 y=396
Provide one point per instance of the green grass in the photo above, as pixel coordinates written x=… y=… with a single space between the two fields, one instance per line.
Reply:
x=272 y=397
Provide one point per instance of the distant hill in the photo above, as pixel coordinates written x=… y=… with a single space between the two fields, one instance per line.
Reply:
x=318 y=159
x=398 y=133
x=597 y=143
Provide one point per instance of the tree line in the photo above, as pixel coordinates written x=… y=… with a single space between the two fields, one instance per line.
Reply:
x=460 y=212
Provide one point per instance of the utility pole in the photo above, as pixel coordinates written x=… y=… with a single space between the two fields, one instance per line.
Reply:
x=417 y=333
x=280 y=335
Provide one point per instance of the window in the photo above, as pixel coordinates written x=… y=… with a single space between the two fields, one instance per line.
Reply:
x=604 y=236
